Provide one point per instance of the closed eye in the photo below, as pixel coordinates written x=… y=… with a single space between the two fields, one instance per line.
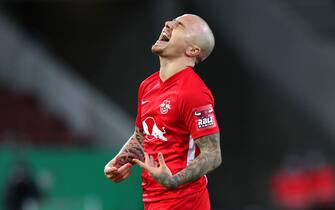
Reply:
x=179 y=23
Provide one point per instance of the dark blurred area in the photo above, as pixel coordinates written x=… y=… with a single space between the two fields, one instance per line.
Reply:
x=70 y=70
x=22 y=189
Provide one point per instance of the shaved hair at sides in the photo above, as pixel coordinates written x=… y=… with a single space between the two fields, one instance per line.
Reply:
x=202 y=36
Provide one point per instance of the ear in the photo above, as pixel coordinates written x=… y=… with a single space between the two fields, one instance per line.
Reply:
x=193 y=51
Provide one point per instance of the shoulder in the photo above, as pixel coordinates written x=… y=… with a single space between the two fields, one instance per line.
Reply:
x=153 y=77
x=193 y=84
x=194 y=88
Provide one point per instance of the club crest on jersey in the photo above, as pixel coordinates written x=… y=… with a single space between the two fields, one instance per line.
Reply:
x=165 y=106
x=204 y=116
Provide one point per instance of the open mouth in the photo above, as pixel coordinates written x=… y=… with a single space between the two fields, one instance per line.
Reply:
x=164 y=37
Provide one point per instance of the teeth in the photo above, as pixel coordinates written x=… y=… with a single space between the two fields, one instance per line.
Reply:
x=165 y=37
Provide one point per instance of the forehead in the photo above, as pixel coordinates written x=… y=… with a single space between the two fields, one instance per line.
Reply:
x=183 y=18
x=189 y=21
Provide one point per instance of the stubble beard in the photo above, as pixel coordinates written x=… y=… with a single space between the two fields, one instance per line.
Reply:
x=155 y=50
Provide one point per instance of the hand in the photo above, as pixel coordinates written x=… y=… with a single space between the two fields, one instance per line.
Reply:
x=115 y=172
x=161 y=173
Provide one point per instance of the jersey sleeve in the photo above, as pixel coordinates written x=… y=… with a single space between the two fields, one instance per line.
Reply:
x=138 y=121
x=197 y=112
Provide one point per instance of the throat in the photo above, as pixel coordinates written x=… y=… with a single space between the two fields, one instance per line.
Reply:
x=166 y=73
x=171 y=66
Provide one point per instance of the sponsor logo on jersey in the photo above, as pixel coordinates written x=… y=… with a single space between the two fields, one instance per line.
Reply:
x=204 y=116
x=144 y=101
x=165 y=106
x=152 y=130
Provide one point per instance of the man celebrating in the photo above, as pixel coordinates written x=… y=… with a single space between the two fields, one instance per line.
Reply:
x=176 y=139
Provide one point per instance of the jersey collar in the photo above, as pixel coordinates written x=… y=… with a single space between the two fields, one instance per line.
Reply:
x=175 y=76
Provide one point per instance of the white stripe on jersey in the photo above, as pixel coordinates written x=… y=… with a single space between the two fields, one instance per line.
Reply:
x=191 y=151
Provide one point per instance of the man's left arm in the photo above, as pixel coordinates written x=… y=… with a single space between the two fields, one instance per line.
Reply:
x=208 y=159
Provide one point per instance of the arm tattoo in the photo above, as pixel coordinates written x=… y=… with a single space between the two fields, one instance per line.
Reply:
x=133 y=148
x=208 y=159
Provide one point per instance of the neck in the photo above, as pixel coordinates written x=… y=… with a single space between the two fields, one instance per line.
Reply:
x=170 y=67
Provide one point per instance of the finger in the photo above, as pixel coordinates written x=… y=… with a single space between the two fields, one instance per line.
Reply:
x=146 y=157
x=114 y=161
x=111 y=165
x=125 y=176
x=122 y=173
x=110 y=170
x=112 y=175
x=142 y=165
x=125 y=158
x=121 y=177
x=152 y=161
x=161 y=159
x=124 y=168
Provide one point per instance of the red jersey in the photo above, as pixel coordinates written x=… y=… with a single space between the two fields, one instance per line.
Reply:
x=172 y=114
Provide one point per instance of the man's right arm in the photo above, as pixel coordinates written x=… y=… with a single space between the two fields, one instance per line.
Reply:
x=119 y=168
x=133 y=148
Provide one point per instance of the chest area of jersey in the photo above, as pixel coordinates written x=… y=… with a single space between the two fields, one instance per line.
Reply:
x=160 y=103
x=159 y=113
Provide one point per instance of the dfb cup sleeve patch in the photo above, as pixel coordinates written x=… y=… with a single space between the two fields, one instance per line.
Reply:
x=204 y=116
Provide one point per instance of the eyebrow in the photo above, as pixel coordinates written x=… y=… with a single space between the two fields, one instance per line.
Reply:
x=180 y=23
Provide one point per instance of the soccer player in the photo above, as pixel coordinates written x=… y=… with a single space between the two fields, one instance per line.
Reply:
x=177 y=138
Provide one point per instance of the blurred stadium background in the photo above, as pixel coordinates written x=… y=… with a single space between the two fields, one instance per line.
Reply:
x=69 y=73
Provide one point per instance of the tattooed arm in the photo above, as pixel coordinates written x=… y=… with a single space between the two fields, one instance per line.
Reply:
x=133 y=148
x=119 y=168
x=208 y=159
